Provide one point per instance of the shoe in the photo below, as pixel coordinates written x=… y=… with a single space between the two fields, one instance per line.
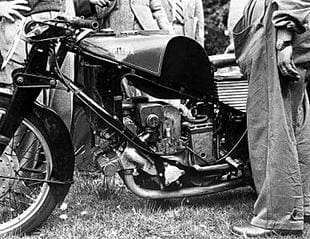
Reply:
x=249 y=230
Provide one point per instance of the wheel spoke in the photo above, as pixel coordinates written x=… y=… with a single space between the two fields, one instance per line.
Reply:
x=32 y=170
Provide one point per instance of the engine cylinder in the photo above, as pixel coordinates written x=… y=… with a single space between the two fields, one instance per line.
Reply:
x=201 y=141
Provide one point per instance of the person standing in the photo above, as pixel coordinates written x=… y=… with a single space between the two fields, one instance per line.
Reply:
x=10 y=10
x=60 y=100
x=187 y=18
x=126 y=15
x=272 y=48
x=14 y=15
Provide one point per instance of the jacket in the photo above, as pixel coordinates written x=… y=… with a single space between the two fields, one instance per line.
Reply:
x=84 y=8
x=193 y=18
x=149 y=14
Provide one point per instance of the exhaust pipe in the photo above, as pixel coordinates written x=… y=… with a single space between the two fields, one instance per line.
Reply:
x=132 y=158
x=186 y=192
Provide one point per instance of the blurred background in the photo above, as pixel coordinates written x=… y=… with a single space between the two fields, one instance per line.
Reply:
x=216 y=14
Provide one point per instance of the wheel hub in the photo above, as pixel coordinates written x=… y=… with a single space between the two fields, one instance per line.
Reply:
x=7 y=169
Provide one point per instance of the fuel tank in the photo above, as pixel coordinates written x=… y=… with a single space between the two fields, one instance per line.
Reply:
x=170 y=66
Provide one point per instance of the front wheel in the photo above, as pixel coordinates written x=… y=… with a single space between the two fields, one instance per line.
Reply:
x=26 y=199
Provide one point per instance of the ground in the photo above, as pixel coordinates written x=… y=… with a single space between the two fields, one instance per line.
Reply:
x=92 y=213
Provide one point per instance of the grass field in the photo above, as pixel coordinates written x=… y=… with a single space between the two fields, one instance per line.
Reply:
x=92 y=213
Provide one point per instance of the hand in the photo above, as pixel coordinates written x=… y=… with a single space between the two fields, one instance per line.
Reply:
x=286 y=64
x=100 y=3
x=11 y=9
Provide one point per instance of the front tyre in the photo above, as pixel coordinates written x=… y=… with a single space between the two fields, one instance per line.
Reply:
x=26 y=199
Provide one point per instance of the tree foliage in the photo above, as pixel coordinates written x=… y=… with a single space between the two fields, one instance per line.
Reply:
x=216 y=13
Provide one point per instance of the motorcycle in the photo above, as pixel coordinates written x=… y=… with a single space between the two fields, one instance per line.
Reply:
x=159 y=152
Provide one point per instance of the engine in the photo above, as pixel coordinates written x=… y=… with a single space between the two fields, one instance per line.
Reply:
x=158 y=124
x=161 y=126
x=211 y=135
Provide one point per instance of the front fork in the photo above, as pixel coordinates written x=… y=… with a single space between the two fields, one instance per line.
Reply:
x=29 y=82
x=22 y=104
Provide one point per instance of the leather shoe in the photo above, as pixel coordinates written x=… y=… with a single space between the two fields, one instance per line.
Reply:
x=249 y=230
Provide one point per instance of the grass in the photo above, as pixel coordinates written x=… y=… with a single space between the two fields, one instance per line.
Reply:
x=94 y=213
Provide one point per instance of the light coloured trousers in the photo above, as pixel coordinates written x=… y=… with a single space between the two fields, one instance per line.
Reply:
x=279 y=143
x=278 y=121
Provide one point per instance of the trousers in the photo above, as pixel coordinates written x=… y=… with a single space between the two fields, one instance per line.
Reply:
x=279 y=145
x=59 y=100
x=278 y=124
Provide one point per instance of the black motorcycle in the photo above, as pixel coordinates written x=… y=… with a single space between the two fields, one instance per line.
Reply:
x=158 y=151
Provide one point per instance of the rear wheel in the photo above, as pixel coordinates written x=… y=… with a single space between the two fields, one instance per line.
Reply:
x=26 y=199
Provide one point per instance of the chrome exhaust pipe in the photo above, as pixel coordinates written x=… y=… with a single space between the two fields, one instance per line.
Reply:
x=217 y=167
x=186 y=192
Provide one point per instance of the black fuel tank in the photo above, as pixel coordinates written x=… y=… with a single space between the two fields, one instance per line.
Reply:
x=175 y=66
